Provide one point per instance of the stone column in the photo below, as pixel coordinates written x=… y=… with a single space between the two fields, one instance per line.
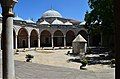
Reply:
x=64 y=40
x=38 y=41
x=16 y=41
x=52 y=42
x=7 y=36
x=29 y=41
x=0 y=42
x=85 y=47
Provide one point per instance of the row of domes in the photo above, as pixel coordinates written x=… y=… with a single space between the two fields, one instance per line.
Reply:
x=55 y=22
x=20 y=19
x=47 y=14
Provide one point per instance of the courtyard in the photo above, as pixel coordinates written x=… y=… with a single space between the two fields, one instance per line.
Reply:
x=53 y=64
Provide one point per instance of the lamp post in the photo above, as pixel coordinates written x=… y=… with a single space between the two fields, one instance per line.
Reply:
x=7 y=36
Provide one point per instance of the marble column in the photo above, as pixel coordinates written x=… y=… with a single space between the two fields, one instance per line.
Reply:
x=52 y=41
x=0 y=42
x=85 y=47
x=64 y=40
x=38 y=41
x=29 y=41
x=7 y=36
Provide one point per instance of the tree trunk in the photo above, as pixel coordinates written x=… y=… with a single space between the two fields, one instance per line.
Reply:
x=117 y=36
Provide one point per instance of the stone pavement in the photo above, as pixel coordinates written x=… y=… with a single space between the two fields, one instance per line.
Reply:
x=25 y=70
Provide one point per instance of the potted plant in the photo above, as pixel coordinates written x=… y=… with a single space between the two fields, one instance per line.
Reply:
x=84 y=62
x=29 y=57
x=112 y=63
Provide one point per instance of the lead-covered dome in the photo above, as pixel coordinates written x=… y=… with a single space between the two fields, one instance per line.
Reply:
x=57 y=22
x=17 y=18
x=51 y=13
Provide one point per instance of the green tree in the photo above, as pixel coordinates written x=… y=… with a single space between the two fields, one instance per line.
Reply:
x=100 y=20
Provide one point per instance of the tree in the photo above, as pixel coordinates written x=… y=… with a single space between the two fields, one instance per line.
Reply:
x=101 y=18
x=117 y=37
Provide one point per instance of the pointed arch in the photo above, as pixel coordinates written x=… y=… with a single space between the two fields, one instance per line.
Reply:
x=45 y=39
x=58 y=38
x=70 y=36
x=22 y=38
x=83 y=33
x=34 y=38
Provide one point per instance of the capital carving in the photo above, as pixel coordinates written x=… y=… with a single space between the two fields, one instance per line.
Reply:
x=7 y=7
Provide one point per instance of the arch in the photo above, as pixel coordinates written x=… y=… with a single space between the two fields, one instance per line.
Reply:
x=45 y=39
x=58 y=38
x=70 y=36
x=83 y=33
x=34 y=38
x=58 y=33
x=22 y=38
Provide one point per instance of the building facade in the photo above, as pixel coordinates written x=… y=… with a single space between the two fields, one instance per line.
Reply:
x=51 y=30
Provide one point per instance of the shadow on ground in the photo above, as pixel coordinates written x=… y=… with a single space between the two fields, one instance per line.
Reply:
x=99 y=59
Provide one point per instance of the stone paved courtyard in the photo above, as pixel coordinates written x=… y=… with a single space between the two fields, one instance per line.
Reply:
x=54 y=65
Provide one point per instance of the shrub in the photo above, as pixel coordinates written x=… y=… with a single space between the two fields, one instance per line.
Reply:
x=113 y=61
x=29 y=56
x=85 y=61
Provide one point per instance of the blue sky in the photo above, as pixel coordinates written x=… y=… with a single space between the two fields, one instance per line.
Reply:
x=73 y=9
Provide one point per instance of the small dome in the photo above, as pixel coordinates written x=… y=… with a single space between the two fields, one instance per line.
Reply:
x=57 y=22
x=17 y=18
x=44 y=23
x=51 y=13
x=0 y=15
x=29 y=21
x=68 y=23
x=82 y=23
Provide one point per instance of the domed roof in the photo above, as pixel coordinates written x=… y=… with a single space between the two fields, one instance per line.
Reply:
x=29 y=21
x=57 y=22
x=51 y=13
x=44 y=23
x=17 y=18
x=82 y=23
x=68 y=23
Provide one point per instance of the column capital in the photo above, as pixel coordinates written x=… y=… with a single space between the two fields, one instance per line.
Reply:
x=8 y=3
x=7 y=7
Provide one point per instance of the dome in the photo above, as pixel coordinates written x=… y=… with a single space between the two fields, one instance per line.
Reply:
x=29 y=21
x=57 y=22
x=51 y=13
x=17 y=18
x=44 y=23
x=68 y=23
x=82 y=23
